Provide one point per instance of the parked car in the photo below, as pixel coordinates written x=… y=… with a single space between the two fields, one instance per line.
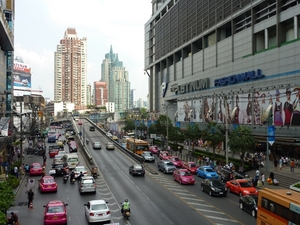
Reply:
x=183 y=176
x=206 y=172
x=79 y=169
x=241 y=187
x=166 y=166
x=176 y=161
x=153 y=149
x=97 y=211
x=249 y=204
x=164 y=155
x=92 y=128
x=87 y=184
x=47 y=184
x=96 y=145
x=55 y=213
x=148 y=156
x=35 y=169
x=110 y=146
x=213 y=187
x=190 y=166
x=137 y=169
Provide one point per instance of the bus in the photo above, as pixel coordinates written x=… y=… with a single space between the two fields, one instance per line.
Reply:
x=278 y=207
x=137 y=145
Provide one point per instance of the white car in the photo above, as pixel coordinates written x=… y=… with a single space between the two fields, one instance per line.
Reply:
x=109 y=134
x=79 y=169
x=97 y=211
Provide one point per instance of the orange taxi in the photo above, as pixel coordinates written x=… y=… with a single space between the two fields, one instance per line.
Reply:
x=241 y=187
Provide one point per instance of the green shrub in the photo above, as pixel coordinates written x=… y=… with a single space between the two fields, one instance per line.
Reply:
x=297 y=185
x=13 y=181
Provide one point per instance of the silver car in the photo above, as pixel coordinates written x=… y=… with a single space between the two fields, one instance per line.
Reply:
x=110 y=145
x=148 y=157
x=166 y=166
x=87 y=184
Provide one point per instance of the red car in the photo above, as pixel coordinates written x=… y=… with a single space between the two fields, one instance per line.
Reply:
x=55 y=213
x=53 y=152
x=153 y=149
x=35 y=169
x=47 y=184
x=190 y=166
x=183 y=176
x=241 y=187
x=176 y=161
x=164 y=155
x=79 y=123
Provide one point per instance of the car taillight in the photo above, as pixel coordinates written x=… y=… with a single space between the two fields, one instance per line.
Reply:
x=108 y=212
x=92 y=214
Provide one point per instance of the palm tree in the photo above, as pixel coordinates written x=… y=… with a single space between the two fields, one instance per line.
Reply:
x=213 y=134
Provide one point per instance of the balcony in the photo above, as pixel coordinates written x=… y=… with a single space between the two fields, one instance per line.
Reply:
x=6 y=35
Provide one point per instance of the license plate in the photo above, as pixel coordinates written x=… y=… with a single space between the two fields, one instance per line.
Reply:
x=139 y=173
x=59 y=169
x=55 y=217
x=100 y=215
x=220 y=193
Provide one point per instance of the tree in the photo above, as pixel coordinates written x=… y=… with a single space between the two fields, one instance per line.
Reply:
x=162 y=123
x=143 y=113
x=152 y=129
x=6 y=199
x=241 y=139
x=192 y=132
x=129 y=125
x=213 y=134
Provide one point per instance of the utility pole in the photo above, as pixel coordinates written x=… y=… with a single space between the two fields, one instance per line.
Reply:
x=226 y=127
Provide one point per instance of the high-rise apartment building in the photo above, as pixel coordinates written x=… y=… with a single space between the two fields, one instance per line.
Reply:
x=117 y=79
x=88 y=94
x=100 y=93
x=70 y=70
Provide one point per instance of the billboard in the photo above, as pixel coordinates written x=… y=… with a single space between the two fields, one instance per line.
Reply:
x=22 y=67
x=184 y=110
x=22 y=80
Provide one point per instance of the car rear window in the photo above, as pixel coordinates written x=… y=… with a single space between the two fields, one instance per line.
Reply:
x=48 y=181
x=185 y=174
x=209 y=170
x=99 y=207
x=36 y=166
x=87 y=181
x=55 y=209
x=169 y=164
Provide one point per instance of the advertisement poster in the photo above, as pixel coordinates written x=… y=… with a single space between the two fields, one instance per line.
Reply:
x=196 y=114
x=22 y=80
x=184 y=109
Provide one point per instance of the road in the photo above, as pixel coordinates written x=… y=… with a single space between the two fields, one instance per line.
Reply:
x=155 y=199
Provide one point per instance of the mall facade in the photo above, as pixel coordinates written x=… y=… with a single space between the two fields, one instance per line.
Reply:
x=229 y=61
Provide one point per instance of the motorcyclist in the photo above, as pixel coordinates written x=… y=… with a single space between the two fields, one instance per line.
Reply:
x=43 y=171
x=87 y=141
x=72 y=176
x=125 y=206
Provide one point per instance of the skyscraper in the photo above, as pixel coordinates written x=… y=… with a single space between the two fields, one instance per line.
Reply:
x=100 y=93
x=117 y=79
x=70 y=70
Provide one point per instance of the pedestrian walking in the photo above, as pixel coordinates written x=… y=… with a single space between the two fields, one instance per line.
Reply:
x=280 y=163
x=30 y=197
x=263 y=179
x=292 y=164
x=44 y=160
x=16 y=172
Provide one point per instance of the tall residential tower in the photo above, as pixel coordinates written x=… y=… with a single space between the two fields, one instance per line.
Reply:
x=70 y=70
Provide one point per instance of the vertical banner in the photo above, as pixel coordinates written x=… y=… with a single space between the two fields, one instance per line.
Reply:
x=149 y=123
x=177 y=124
x=271 y=134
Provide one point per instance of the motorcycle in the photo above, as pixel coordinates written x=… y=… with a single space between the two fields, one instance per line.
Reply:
x=126 y=213
x=87 y=142
x=65 y=179
x=72 y=181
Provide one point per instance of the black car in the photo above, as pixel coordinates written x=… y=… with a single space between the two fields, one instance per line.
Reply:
x=137 y=170
x=60 y=169
x=92 y=128
x=249 y=204
x=213 y=187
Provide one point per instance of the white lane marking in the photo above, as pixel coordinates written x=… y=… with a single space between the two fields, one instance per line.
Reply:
x=184 y=194
x=220 y=218
x=177 y=189
x=194 y=203
x=210 y=211
x=200 y=200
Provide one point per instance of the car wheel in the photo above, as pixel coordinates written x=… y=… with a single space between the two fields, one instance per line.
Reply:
x=241 y=206
x=253 y=213
x=202 y=188
x=210 y=193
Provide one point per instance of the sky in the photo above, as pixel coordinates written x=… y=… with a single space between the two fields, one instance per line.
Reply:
x=41 y=24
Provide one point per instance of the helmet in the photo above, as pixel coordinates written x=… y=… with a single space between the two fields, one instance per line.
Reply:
x=126 y=200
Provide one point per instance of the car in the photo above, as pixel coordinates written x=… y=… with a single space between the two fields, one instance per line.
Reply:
x=214 y=187
x=164 y=155
x=109 y=134
x=35 y=169
x=190 y=166
x=249 y=204
x=153 y=149
x=55 y=213
x=206 y=172
x=47 y=184
x=183 y=176
x=96 y=145
x=92 y=128
x=148 y=156
x=137 y=169
x=241 y=187
x=72 y=148
x=79 y=122
x=176 y=161
x=79 y=169
x=115 y=138
x=97 y=211
x=60 y=168
x=110 y=145
x=53 y=152
x=87 y=184
x=166 y=166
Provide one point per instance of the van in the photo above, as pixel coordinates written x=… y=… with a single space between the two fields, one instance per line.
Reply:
x=72 y=160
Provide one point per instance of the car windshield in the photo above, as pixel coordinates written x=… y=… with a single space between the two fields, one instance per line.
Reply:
x=245 y=184
x=169 y=164
x=148 y=154
x=88 y=181
x=80 y=169
x=55 y=209
x=36 y=166
x=175 y=159
x=193 y=165
x=72 y=160
x=59 y=166
x=185 y=174
x=99 y=207
x=48 y=181
x=209 y=170
x=216 y=183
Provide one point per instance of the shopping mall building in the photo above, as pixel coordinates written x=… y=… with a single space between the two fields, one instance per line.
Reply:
x=231 y=61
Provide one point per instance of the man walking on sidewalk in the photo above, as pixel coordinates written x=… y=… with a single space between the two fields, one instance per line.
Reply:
x=292 y=165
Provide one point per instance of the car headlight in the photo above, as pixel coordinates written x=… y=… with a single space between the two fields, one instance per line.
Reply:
x=246 y=192
x=213 y=189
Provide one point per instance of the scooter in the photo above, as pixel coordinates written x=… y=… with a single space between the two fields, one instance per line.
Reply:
x=126 y=213
x=65 y=179
x=72 y=181
x=87 y=142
